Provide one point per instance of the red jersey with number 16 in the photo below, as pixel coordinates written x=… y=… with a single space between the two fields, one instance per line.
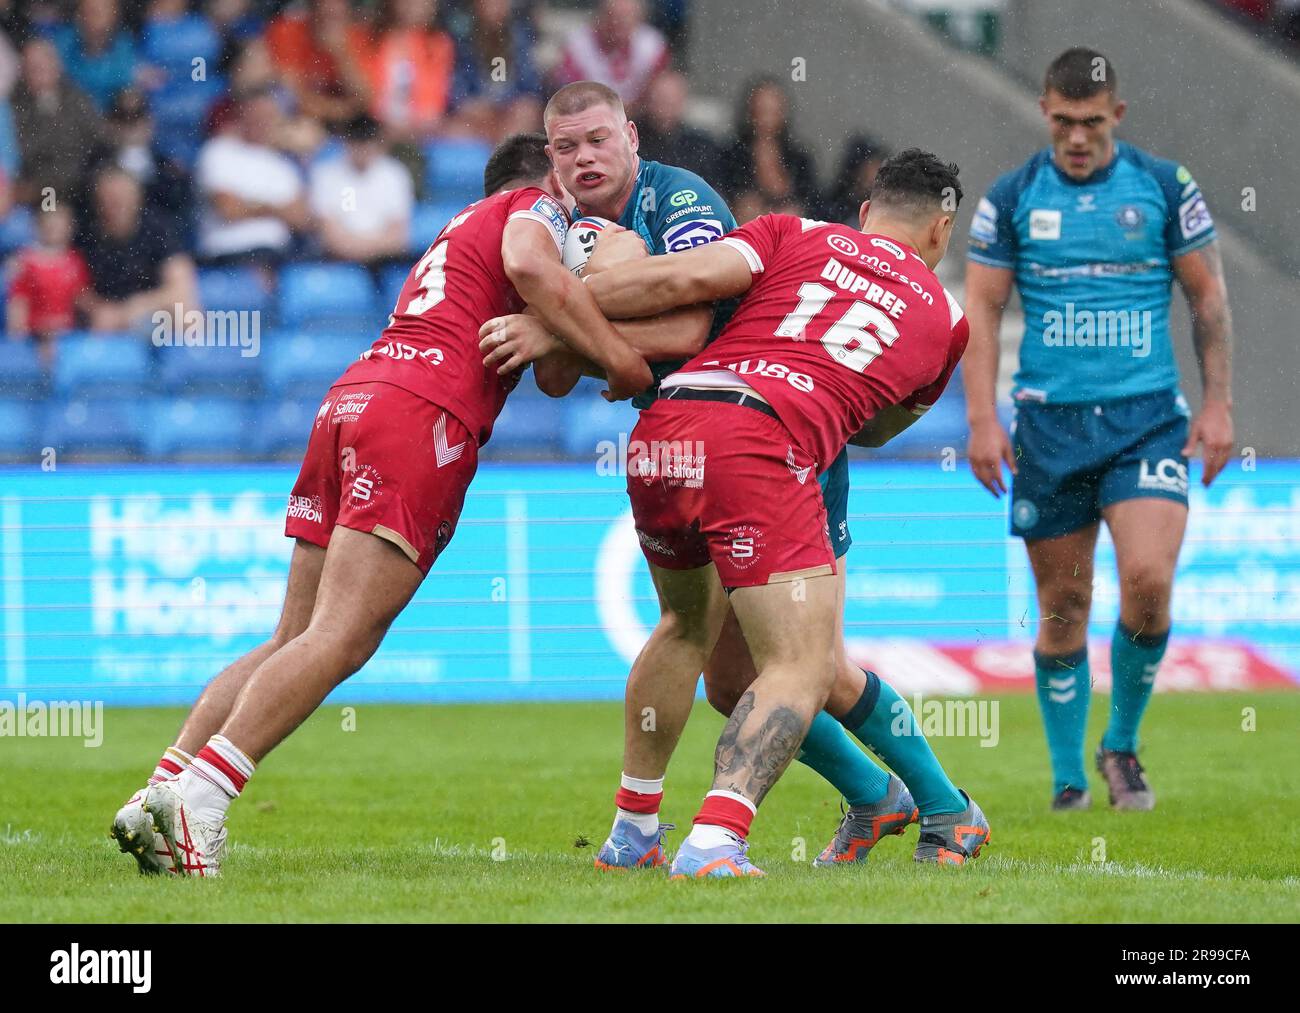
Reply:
x=837 y=326
x=430 y=346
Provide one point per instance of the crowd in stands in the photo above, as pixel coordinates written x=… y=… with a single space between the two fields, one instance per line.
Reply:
x=1277 y=17
x=237 y=154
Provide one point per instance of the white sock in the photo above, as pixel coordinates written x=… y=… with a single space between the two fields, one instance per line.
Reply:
x=708 y=835
x=215 y=777
x=647 y=823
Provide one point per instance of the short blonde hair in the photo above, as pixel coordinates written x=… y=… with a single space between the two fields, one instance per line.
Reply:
x=581 y=95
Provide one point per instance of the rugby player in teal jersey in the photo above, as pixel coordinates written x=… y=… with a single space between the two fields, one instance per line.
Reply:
x=1092 y=232
x=663 y=209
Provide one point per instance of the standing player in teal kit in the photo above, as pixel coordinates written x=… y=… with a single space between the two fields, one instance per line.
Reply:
x=1093 y=232
x=662 y=209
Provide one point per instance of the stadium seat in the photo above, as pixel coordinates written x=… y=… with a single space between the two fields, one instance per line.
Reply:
x=590 y=420
x=283 y=426
x=454 y=169
x=211 y=370
x=428 y=219
x=304 y=364
x=100 y=427
x=20 y=420
x=527 y=426
x=21 y=371
x=98 y=364
x=320 y=293
x=390 y=285
x=208 y=428
x=234 y=288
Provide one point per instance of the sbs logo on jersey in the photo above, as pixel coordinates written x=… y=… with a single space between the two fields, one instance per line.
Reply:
x=692 y=233
x=843 y=245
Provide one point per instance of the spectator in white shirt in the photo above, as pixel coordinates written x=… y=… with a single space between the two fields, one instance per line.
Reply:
x=253 y=196
x=362 y=199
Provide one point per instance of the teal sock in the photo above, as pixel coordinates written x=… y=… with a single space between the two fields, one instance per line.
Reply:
x=1134 y=658
x=1064 y=687
x=830 y=752
x=885 y=725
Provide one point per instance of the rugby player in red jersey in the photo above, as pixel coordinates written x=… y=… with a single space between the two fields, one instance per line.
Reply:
x=841 y=335
x=390 y=455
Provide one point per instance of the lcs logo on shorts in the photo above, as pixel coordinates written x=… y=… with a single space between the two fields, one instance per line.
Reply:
x=696 y=232
x=744 y=543
x=1167 y=476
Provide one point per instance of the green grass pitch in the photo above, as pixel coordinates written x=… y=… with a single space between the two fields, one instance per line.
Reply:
x=477 y=813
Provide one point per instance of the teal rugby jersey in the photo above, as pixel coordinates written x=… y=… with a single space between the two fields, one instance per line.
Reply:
x=1093 y=265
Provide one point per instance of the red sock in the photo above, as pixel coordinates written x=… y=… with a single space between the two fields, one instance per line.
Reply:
x=727 y=810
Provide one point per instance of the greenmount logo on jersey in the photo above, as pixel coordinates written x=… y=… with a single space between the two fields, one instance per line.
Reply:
x=1083 y=328
x=683 y=197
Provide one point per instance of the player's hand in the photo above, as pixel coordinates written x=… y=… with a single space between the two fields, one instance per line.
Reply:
x=989 y=447
x=512 y=342
x=616 y=245
x=1212 y=428
x=627 y=378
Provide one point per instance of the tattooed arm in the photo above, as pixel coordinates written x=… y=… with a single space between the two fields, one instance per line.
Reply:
x=1200 y=273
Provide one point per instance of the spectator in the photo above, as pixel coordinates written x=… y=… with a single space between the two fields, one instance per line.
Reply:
x=48 y=279
x=617 y=49
x=324 y=58
x=137 y=265
x=98 y=52
x=57 y=124
x=235 y=22
x=862 y=158
x=252 y=70
x=412 y=71
x=665 y=137
x=251 y=194
x=764 y=157
x=129 y=145
x=362 y=199
x=496 y=89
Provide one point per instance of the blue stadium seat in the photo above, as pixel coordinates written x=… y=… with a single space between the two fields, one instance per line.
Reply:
x=390 y=285
x=199 y=428
x=454 y=168
x=590 y=420
x=21 y=371
x=304 y=364
x=20 y=420
x=205 y=370
x=283 y=426
x=102 y=364
x=527 y=426
x=428 y=219
x=339 y=294
x=234 y=288
x=96 y=427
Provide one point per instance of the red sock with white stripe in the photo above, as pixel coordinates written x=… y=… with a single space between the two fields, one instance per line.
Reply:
x=722 y=818
x=214 y=779
x=638 y=802
x=173 y=764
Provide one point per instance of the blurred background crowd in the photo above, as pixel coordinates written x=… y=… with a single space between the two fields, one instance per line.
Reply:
x=289 y=159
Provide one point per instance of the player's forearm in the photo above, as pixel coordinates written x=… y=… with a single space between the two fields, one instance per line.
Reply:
x=677 y=334
x=642 y=288
x=980 y=364
x=1212 y=338
x=563 y=305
